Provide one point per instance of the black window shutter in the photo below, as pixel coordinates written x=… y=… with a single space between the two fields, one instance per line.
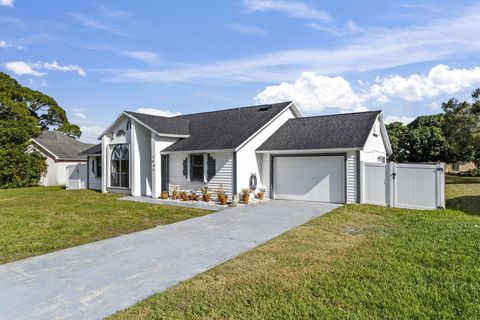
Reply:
x=185 y=172
x=210 y=167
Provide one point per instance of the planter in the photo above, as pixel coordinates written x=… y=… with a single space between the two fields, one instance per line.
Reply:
x=174 y=195
x=206 y=197
x=245 y=198
x=219 y=196
x=260 y=195
x=164 y=195
x=194 y=197
x=223 y=199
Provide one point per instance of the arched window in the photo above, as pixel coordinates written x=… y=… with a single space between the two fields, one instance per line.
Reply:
x=120 y=166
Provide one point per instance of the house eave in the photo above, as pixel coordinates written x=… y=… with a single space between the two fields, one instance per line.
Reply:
x=305 y=151
x=198 y=151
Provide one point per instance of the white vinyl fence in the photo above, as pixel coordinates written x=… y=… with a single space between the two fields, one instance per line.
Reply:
x=77 y=176
x=403 y=185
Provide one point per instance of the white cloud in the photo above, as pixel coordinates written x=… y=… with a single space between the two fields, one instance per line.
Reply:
x=241 y=28
x=145 y=56
x=92 y=24
x=314 y=92
x=439 y=80
x=373 y=49
x=402 y=119
x=158 y=112
x=71 y=67
x=6 y=3
x=110 y=12
x=4 y=44
x=295 y=9
x=22 y=68
x=90 y=133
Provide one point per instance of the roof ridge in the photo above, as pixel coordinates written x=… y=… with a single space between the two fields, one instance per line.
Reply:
x=234 y=108
x=336 y=114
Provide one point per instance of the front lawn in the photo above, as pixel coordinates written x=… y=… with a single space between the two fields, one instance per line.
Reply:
x=357 y=262
x=38 y=220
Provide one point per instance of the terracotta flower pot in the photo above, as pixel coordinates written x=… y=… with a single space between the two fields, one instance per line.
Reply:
x=164 y=195
x=245 y=198
x=223 y=200
x=260 y=195
x=206 y=197
x=174 y=195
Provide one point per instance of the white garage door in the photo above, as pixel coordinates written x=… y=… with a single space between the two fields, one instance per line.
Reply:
x=309 y=178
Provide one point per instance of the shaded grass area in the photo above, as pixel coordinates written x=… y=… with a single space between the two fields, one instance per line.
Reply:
x=38 y=220
x=463 y=193
x=357 y=262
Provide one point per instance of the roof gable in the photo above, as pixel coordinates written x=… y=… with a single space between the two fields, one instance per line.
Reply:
x=339 y=131
x=61 y=146
x=171 y=126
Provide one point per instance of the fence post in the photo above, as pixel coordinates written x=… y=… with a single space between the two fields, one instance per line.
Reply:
x=440 y=187
x=361 y=176
x=391 y=175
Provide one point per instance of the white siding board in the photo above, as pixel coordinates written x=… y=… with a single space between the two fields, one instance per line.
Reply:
x=351 y=177
x=223 y=173
x=94 y=182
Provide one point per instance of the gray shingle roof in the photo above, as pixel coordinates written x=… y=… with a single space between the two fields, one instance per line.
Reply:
x=348 y=130
x=96 y=149
x=225 y=129
x=165 y=125
x=62 y=146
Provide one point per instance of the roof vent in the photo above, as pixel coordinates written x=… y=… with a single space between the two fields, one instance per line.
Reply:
x=265 y=107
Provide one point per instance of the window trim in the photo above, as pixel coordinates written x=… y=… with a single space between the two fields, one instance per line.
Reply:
x=112 y=148
x=198 y=166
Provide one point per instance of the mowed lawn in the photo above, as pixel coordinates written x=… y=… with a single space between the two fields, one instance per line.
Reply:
x=38 y=220
x=357 y=262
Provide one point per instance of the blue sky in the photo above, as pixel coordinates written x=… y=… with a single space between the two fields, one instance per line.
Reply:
x=97 y=58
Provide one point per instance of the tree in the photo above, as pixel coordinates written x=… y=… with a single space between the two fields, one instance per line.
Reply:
x=24 y=113
x=462 y=128
x=425 y=140
x=396 y=133
x=422 y=140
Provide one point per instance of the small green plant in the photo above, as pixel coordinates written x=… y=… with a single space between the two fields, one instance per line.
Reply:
x=246 y=191
x=204 y=190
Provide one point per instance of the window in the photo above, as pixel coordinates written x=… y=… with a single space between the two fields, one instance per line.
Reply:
x=120 y=167
x=93 y=166
x=99 y=167
x=196 y=165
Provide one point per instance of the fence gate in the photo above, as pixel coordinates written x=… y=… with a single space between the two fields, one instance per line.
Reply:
x=77 y=176
x=403 y=185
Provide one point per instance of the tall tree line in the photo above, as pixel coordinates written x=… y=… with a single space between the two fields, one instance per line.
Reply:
x=451 y=136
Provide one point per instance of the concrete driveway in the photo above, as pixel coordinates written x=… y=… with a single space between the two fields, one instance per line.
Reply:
x=95 y=280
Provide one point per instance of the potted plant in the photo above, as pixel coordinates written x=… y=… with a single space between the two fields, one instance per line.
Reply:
x=175 y=193
x=194 y=196
x=223 y=199
x=205 y=194
x=164 y=195
x=184 y=196
x=261 y=194
x=220 y=192
x=246 y=195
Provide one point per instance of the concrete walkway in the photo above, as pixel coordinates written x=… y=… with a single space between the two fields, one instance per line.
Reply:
x=95 y=280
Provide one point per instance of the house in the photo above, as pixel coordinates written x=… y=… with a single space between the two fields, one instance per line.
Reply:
x=60 y=151
x=457 y=167
x=265 y=146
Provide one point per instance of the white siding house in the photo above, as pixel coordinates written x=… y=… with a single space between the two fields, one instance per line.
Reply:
x=271 y=147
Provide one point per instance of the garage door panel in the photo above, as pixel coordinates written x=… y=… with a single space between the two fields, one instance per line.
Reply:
x=310 y=178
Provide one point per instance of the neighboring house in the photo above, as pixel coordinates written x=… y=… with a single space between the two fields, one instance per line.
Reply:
x=267 y=146
x=459 y=167
x=60 y=151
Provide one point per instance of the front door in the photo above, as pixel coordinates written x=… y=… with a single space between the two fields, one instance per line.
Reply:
x=164 y=172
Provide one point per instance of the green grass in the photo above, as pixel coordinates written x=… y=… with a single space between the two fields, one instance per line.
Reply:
x=38 y=220
x=357 y=262
x=463 y=193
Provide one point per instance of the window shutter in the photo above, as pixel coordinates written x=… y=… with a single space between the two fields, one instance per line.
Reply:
x=210 y=167
x=185 y=172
